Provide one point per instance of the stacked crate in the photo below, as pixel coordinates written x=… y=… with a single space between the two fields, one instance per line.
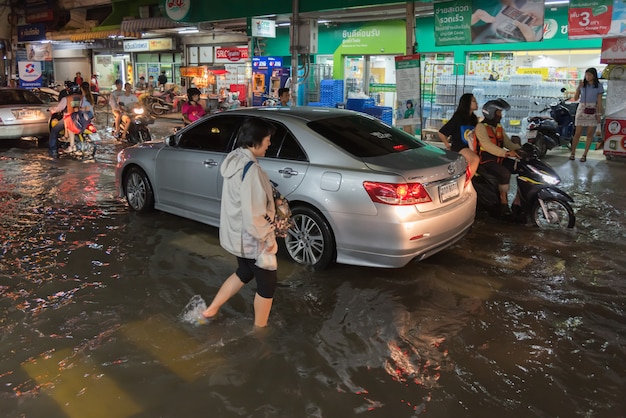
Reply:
x=383 y=113
x=331 y=92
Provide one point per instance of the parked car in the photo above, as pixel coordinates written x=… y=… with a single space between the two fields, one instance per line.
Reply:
x=361 y=192
x=22 y=114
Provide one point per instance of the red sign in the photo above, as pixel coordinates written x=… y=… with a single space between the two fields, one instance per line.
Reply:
x=613 y=51
x=589 y=21
x=231 y=54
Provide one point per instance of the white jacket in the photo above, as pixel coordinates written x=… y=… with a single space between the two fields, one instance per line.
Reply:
x=245 y=206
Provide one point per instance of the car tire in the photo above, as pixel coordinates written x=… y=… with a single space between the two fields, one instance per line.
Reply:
x=310 y=241
x=138 y=190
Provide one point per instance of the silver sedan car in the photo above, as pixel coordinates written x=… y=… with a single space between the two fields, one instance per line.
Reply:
x=361 y=192
x=22 y=114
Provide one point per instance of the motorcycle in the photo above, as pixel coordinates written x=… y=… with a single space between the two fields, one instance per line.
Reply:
x=540 y=199
x=160 y=104
x=85 y=143
x=547 y=132
x=138 y=120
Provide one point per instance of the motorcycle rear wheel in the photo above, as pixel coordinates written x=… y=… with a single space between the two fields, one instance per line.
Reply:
x=559 y=214
x=155 y=108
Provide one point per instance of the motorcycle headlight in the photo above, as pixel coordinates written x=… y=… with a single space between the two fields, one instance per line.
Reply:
x=138 y=110
x=546 y=177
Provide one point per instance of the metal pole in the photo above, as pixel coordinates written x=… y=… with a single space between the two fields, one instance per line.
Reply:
x=295 y=49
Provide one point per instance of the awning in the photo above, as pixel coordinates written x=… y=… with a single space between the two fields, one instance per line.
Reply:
x=151 y=23
x=82 y=35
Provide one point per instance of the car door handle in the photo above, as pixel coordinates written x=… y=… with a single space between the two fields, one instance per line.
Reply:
x=288 y=172
x=211 y=163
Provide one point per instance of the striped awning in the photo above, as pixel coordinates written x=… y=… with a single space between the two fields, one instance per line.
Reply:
x=151 y=23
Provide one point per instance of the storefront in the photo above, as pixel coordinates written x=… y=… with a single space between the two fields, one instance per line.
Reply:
x=150 y=57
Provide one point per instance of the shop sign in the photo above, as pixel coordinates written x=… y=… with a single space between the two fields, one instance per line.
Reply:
x=39 y=11
x=465 y=22
x=613 y=51
x=193 y=71
x=408 y=89
x=140 y=45
x=30 y=73
x=233 y=54
x=27 y=33
x=39 y=52
x=263 y=28
x=382 y=88
x=177 y=9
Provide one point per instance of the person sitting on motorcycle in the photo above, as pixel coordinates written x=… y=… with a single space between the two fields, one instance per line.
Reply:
x=192 y=110
x=72 y=98
x=126 y=102
x=86 y=106
x=115 y=107
x=494 y=147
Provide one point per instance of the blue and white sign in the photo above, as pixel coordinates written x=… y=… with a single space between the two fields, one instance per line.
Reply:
x=137 y=45
x=263 y=28
x=28 y=33
x=30 y=73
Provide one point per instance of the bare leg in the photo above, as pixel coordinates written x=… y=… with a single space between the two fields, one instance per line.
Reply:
x=262 y=307
x=575 y=139
x=472 y=159
x=591 y=130
x=229 y=288
x=504 y=193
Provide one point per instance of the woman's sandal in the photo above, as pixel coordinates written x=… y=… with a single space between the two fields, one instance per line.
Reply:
x=583 y=158
x=572 y=157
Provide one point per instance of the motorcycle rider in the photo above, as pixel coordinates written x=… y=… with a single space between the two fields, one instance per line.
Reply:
x=494 y=147
x=115 y=107
x=126 y=102
x=66 y=105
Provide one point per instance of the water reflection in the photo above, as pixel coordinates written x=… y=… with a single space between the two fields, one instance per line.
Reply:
x=512 y=320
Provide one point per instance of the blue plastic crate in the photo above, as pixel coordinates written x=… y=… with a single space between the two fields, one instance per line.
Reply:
x=331 y=91
x=359 y=104
x=317 y=104
x=383 y=113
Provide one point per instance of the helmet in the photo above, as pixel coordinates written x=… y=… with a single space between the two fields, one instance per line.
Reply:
x=489 y=108
x=191 y=92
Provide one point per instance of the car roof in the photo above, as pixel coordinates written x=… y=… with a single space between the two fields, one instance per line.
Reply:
x=309 y=113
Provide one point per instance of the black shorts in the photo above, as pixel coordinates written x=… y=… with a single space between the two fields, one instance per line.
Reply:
x=265 y=279
x=502 y=172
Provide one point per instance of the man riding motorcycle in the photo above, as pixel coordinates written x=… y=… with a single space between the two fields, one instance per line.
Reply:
x=493 y=147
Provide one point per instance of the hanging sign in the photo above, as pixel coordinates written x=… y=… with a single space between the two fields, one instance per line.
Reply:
x=30 y=73
x=464 y=22
x=231 y=54
x=589 y=18
x=408 y=89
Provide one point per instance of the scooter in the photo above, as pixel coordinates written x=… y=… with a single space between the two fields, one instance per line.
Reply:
x=553 y=131
x=160 y=104
x=139 y=120
x=85 y=143
x=540 y=199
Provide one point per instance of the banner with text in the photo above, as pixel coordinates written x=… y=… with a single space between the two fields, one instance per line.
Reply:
x=465 y=22
x=408 y=90
x=596 y=18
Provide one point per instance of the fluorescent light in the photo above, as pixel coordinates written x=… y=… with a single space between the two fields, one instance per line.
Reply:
x=555 y=2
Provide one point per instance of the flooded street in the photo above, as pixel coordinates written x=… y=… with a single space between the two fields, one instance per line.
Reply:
x=95 y=312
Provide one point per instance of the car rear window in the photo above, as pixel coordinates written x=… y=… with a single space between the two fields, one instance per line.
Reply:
x=364 y=137
x=18 y=97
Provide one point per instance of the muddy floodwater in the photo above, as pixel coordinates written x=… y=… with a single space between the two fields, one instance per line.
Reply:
x=98 y=313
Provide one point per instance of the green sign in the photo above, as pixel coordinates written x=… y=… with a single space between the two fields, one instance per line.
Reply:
x=453 y=23
x=382 y=88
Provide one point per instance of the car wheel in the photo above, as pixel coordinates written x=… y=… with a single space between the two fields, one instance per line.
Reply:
x=310 y=241
x=138 y=190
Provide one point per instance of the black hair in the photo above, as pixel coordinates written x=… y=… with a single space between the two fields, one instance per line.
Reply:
x=118 y=81
x=192 y=91
x=252 y=132
x=464 y=109
x=282 y=90
x=409 y=102
x=594 y=73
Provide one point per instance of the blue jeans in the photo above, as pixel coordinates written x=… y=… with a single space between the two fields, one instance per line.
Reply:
x=54 y=136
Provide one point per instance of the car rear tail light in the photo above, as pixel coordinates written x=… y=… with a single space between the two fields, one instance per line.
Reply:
x=468 y=175
x=397 y=193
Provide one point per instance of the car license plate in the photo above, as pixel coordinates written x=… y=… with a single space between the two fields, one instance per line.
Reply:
x=531 y=134
x=448 y=191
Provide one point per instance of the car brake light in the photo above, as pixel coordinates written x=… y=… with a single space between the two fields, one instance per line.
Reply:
x=397 y=193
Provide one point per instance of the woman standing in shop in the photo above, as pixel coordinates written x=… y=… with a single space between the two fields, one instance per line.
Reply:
x=589 y=112
x=456 y=132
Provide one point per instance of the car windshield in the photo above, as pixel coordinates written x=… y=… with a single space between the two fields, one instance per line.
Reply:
x=18 y=97
x=364 y=137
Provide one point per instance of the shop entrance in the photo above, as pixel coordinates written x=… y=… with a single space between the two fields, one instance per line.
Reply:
x=371 y=76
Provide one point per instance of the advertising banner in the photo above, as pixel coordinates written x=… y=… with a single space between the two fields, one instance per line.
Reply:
x=464 y=22
x=589 y=18
x=28 y=33
x=408 y=90
x=39 y=52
